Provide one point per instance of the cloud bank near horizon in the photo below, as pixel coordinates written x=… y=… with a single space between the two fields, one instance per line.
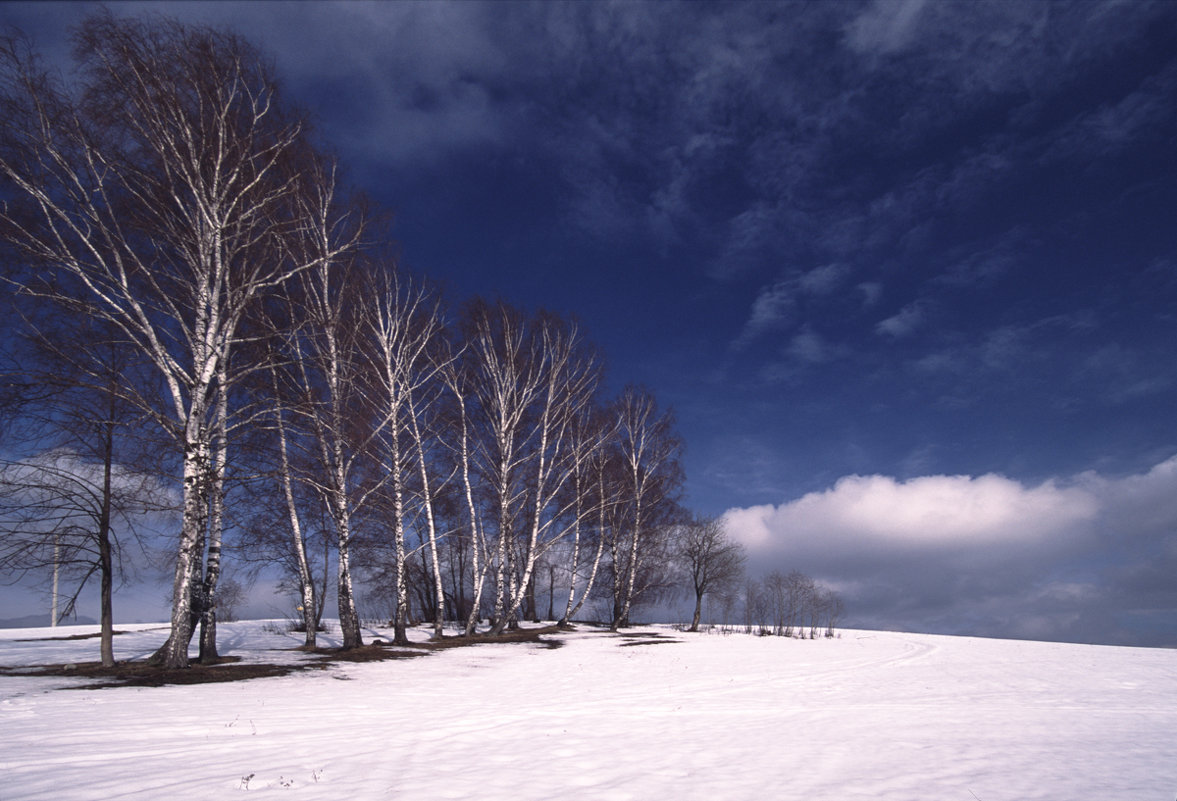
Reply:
x=1087 y=557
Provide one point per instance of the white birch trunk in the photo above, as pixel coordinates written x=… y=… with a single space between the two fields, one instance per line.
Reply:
x=216 y=523
x=623 y=619
x=400 y=632
x=306 y=583
x=430 y=522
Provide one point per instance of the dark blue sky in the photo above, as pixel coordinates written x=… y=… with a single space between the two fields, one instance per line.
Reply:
x=907 y=270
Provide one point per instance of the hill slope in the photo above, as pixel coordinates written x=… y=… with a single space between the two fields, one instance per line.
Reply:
x=650 y=715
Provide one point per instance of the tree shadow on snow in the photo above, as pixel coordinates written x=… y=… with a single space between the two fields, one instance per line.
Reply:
x=232 y=668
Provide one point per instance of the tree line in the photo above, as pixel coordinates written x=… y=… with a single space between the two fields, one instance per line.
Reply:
x=201 y=296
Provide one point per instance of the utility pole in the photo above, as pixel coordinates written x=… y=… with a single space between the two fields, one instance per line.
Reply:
x=56 y=559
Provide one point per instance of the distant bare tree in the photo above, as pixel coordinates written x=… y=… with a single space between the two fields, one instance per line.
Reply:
x=230 y=598
x=62 y=513
x=799 y=594
x=834 y=608
x=80 y=427
x=711 y=561
x=755 y=604
x=795 y=602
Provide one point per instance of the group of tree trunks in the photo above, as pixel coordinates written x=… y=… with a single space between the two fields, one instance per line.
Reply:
x=206 y=323
x=215 y=289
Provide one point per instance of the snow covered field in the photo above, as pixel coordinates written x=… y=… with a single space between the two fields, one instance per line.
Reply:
x=870 y=715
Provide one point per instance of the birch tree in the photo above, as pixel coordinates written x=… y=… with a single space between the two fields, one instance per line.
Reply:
x=530 y=380
x=459 y=378
x=405 y=326
x=503 y=375
x=595 y=496
x=435 y=472
x=648 y=450
x=570 y=375
x=153 y=189
x=285 y=475
x=327 y=354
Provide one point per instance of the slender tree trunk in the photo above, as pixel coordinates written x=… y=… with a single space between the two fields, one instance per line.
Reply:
x=500 y=609
x=216 y=524
x=430 y=526
x=323 y=595
x=106 y=567
x=699 y=612
x=575 y=563
x=400 y=622
x=306 y=584
x=56 y=580
x=189 y=555
x=500 y=560
x=571 y=611
x=349 y=619
x=551 y=592
x=623 y=619
x=478 y=571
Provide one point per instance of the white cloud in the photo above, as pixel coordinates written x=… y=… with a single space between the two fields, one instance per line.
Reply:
x=871 y=291
x=927 y=512
x=825 y=279
x=903 y=323
x=811 y=347
x=886 y=26
x=744 y=242
x=1088 y=558
x=770 y=311
x=1142 y=114
x=775 y=306
x=1147 y=500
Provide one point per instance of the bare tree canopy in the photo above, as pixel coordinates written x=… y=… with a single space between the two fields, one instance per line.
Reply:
x=710 y=559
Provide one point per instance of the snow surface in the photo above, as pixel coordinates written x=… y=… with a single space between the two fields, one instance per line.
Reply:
x=869 y=715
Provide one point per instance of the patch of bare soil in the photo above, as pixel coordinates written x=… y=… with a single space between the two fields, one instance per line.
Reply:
x=519 y=635
x=628 y=643
x=70 y=637
x=141 y=674
x=377 y=651
x=230 y=668
x=645 y=638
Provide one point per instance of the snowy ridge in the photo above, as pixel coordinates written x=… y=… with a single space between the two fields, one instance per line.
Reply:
x=649 y=714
